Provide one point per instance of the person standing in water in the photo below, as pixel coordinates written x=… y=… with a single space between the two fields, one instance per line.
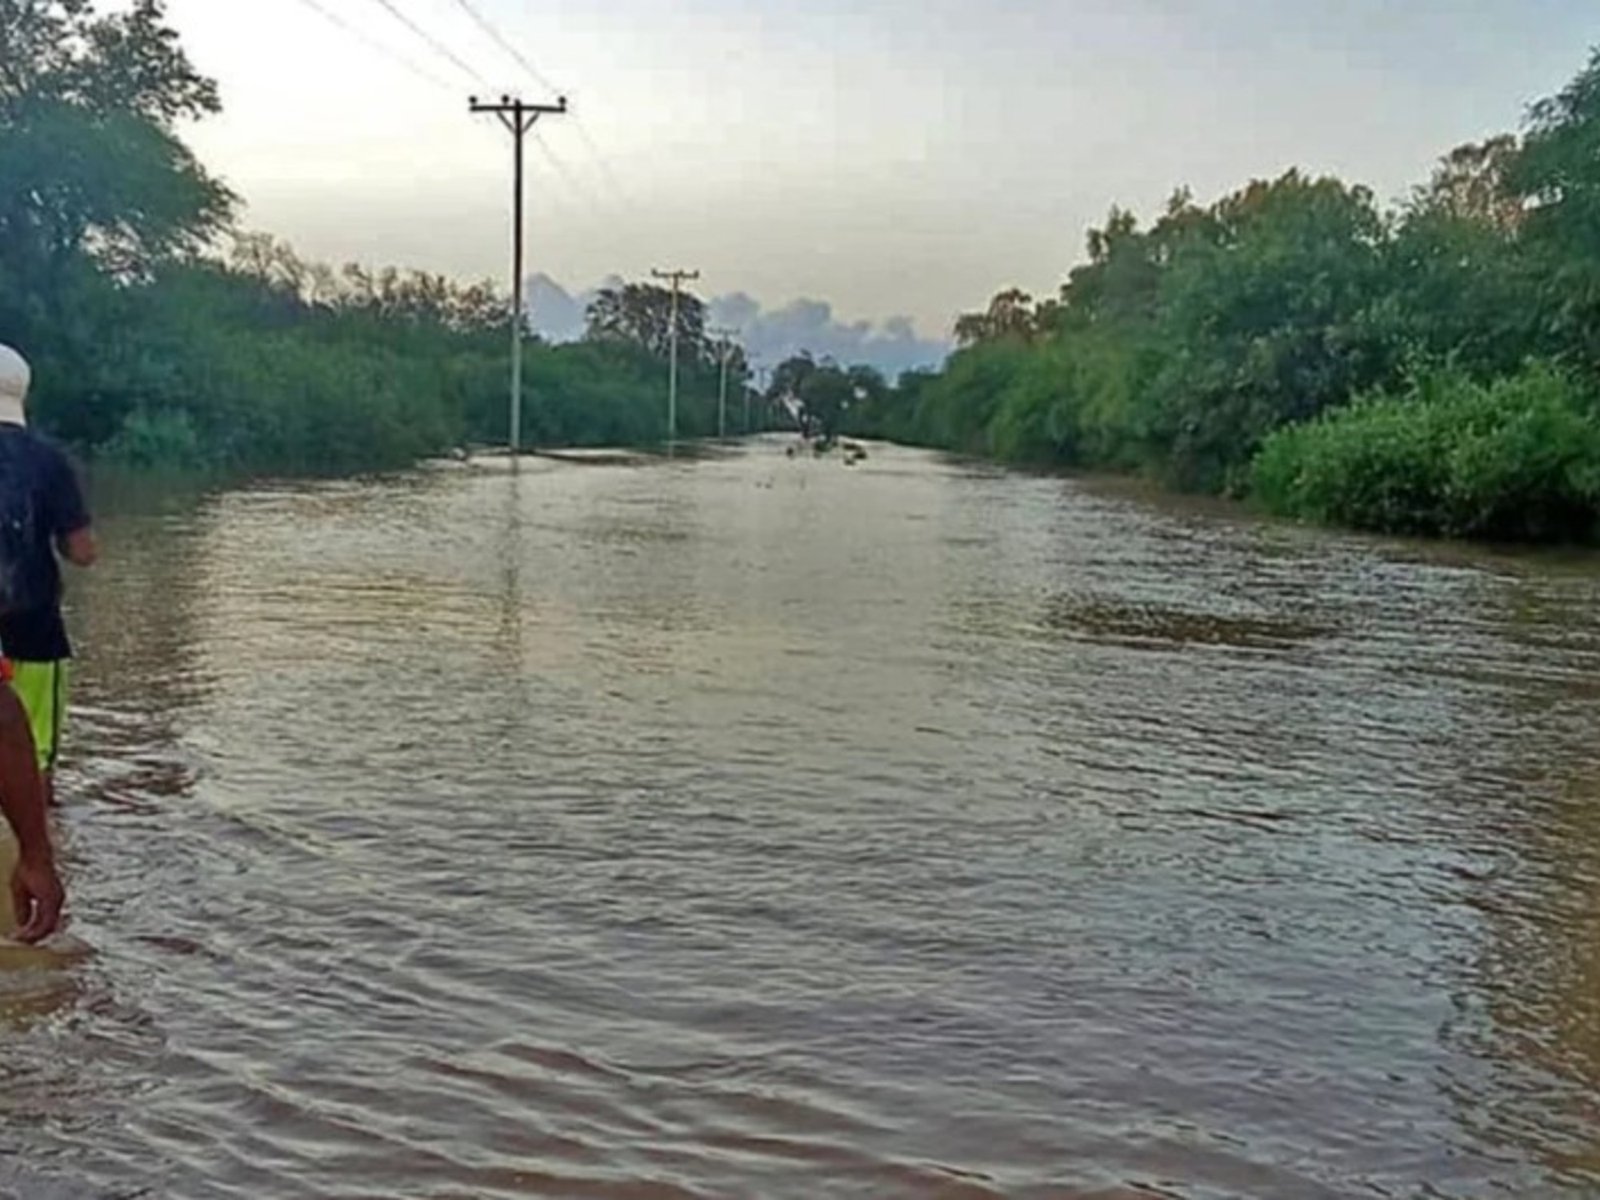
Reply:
x=42 y=514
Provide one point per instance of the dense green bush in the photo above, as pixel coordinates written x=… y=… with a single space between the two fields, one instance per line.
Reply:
x=1037 y=417
x=162 y=440
x=1517 y=458
x=956 y=410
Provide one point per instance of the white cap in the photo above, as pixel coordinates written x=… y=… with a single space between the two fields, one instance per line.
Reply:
x=14 y=380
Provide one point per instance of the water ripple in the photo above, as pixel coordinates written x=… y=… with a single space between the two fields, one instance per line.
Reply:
x=745 y=826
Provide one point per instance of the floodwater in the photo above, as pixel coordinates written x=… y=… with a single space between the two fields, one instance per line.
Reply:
x=756 y=827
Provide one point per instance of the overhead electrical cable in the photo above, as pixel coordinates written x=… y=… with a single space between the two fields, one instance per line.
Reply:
x=439 y=47
x=367 y=39
x=493 y=33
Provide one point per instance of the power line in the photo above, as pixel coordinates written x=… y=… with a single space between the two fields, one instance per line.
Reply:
x=500 y=40
x=373 y=43
x=575 y=182
x=438 y=46
x=574 y=205
x=600 y=161
x=610 y=178
x=588 y=199
x=493 y=32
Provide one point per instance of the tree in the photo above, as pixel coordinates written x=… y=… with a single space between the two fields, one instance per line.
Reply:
x=1267 y=310
x=1120 y=284
x=1462 y=287
x=783 y=391
x=641 y=313
x=97 y=191
x=1473 y=184
x=824 y=399
x=63 y=51
x=1557 y=178
x=820 y=395
x=1009 y=315
x=93 y=168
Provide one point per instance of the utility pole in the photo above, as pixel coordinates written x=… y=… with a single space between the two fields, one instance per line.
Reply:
x=725 y=345
x=519 y=118
x=761 y=387
x=677 y=279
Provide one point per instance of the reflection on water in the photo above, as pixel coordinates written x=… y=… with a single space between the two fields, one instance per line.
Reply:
x=747 y=826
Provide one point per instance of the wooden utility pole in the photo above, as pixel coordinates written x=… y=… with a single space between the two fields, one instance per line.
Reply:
x=725 y=346
x=677 y=279
x=519 y=118
x=761 y=389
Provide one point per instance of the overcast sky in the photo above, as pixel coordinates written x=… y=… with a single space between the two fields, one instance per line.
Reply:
x=888 y=157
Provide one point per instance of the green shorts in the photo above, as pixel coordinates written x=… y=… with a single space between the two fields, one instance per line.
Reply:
x=42 y=688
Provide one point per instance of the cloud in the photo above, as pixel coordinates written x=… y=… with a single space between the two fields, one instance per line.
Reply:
x=768 y=335
x=772 y=335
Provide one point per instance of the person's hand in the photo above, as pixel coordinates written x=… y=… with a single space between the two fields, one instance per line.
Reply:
x=37 y=897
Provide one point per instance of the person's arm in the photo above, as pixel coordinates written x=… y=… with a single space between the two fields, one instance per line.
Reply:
x=80 y=547
x=74 y=533
x=36 y=891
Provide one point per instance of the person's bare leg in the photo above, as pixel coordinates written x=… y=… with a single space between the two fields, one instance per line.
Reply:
x=36 y=891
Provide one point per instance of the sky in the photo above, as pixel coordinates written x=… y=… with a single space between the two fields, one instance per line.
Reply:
x=865 y=171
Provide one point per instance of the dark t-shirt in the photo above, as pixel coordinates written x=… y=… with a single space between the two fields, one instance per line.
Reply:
x=33 y=466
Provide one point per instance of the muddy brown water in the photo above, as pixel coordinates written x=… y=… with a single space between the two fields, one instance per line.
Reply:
x=756 y=827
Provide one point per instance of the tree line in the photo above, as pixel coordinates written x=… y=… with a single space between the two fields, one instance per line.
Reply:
x=163 y=335
x=1428 y=368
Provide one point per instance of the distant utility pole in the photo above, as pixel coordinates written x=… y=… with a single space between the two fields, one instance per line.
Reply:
x=677 y=279
x=519 y=118
x=761 y=389
x=725 y=337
